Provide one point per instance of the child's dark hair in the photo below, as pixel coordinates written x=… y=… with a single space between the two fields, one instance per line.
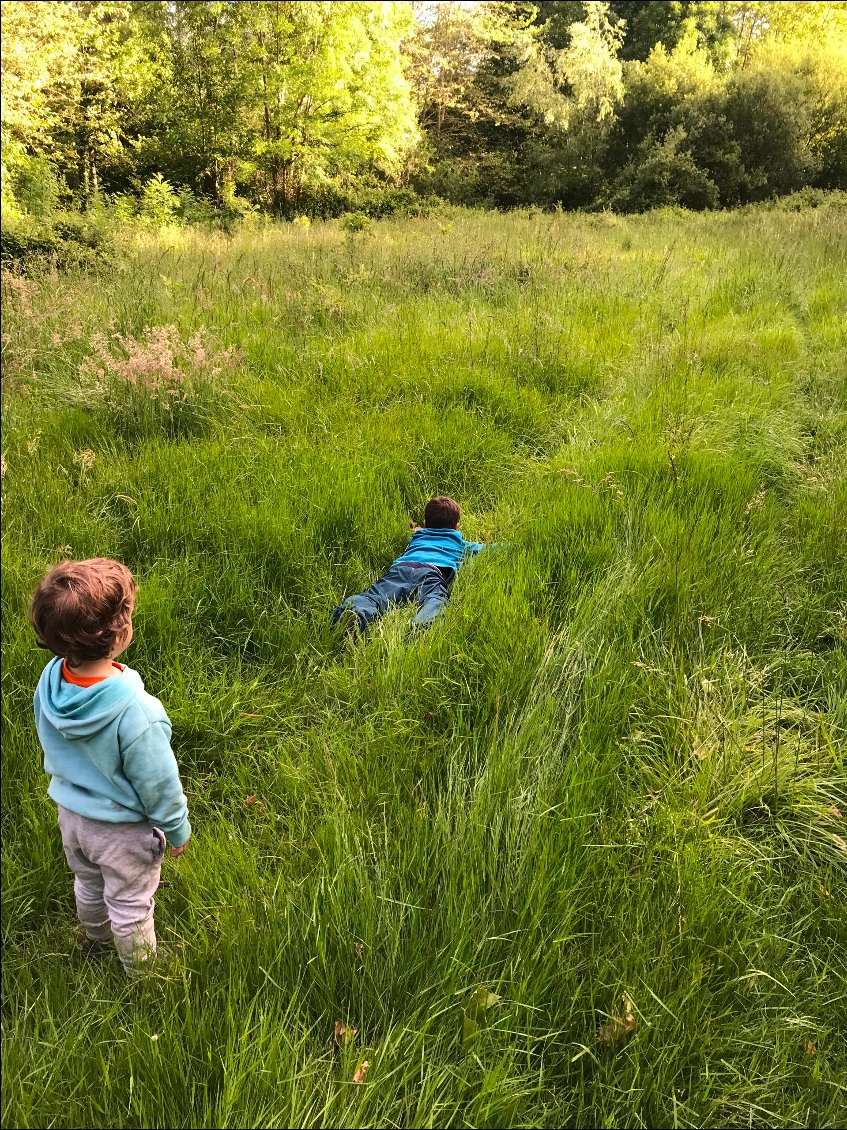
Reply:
x=80 y=609
x=441 y=513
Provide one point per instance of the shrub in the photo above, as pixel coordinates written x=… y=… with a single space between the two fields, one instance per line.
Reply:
x=84 y=229
x=665 y=174
x=399 y=202
x=21 y=241
x=72 y=239
x=194 y=209
x=355 y=221
x=771 y=119
x=803 y=199
x=372 y=198
x=493 y=180
x=37 y=187
x=123 y=207
x=159 y=202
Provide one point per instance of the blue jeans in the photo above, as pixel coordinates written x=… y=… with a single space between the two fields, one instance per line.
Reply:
x=399 y=585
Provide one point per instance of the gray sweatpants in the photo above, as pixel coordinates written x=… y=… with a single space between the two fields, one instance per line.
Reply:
x=117 y=869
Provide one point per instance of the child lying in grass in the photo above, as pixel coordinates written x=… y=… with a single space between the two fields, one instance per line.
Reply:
x=425 y=571
x=107 y=747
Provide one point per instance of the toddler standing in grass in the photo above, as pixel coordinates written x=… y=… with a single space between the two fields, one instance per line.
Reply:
x=107 y=747
x=424 y=571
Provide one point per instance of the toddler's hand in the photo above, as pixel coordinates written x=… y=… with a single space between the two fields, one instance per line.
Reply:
x=179 y=850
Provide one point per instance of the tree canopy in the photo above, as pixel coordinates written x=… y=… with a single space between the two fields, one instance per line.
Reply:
x=299 y=105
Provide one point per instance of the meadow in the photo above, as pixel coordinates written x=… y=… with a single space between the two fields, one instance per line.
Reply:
x=575 y=857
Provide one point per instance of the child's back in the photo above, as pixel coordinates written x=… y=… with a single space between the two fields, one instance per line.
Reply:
x=423 y=572
x=107 y=749
x=441 y=548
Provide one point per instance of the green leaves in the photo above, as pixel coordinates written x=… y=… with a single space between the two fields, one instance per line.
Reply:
x=313 y=90
x=475 y=1014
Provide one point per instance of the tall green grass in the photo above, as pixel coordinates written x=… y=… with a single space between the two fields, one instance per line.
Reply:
x=616 y=770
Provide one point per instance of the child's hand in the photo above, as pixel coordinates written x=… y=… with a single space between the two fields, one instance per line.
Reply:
x=179 y=850
x=415 y=526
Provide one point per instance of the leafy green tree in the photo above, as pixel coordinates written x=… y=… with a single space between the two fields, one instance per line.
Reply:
x=649 y=23
x=96 y=103
x=204 y=111
x=332 y=95
x=765 y=129
x=38 y=50
x=761 y=22
x=666 y=174
x=826 y=67
x=461 y=64
x=590 y=63
x=298 y=103
x=74 y=77
x=574 y=91
x=444 y=55
x=789 y=114
x=655 y=90
x=284 y=96
x=672 y=135
x=554 y=18
x=584 y=78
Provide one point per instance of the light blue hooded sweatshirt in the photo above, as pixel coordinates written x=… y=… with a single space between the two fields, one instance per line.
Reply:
x=108 y=750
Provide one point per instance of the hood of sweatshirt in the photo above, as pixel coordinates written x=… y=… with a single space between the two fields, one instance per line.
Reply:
x=82 y=712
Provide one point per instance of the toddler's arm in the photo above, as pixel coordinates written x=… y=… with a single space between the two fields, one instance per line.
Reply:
x=151 y=769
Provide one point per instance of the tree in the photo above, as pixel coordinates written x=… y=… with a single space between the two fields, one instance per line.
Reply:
x=74 y=75
x=553 y=18
x=333 y=97
x=38 y=48
x=583 y=78
x=666 y=174
x=297 y=103
x=789 y=114
x=649 y=23
x=112 y=75
x=672 y=135
x=461 y=61
x=762 y=22
x=285 y=95
x=444 y=54
x=204 y=111
x=590 y=63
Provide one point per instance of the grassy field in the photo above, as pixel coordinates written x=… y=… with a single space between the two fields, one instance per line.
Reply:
x=608 y=789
